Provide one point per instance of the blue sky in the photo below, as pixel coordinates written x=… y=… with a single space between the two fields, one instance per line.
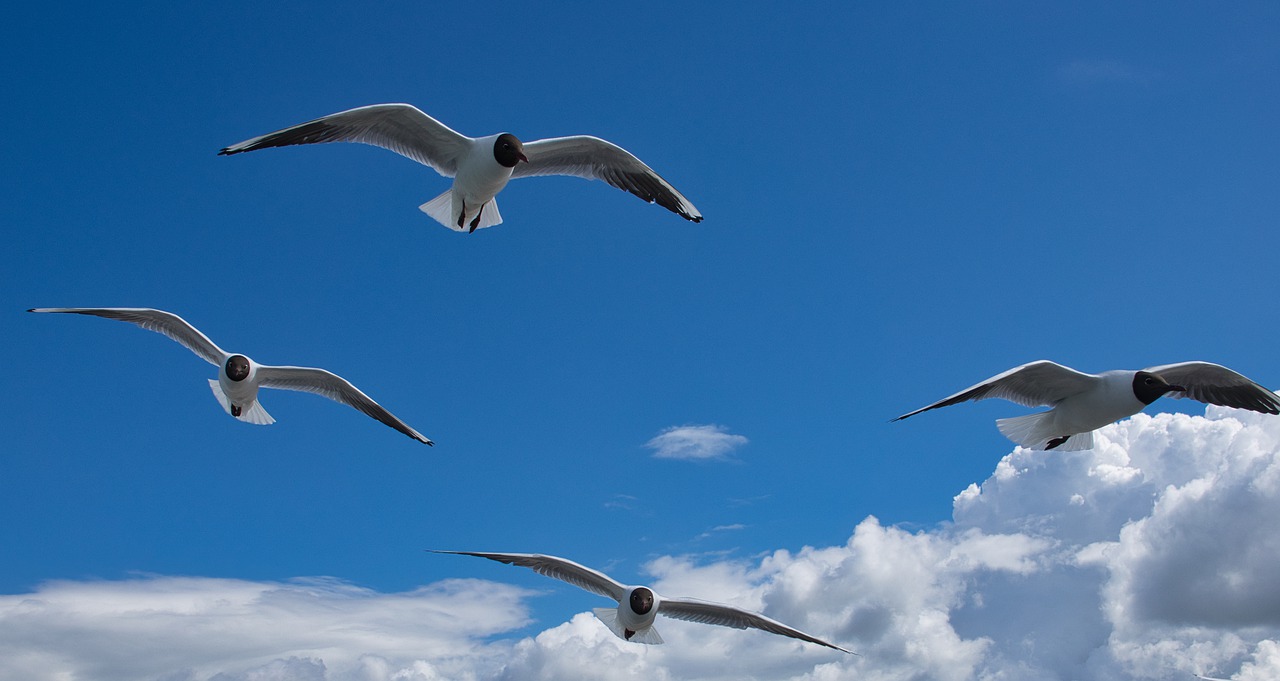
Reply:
x=900 y=200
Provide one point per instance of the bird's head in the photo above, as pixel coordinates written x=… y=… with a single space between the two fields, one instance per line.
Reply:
x=1149 y=387
x=508 y=150
x=237 y=368
x=641 y=600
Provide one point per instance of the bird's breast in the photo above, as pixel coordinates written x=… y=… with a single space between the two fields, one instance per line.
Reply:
x=1111 y=400
x=633 y=621
x=240 y=392
x=480 y=177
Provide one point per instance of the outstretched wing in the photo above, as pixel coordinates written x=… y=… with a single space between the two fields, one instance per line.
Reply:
x=729 y=616
x=560 y=568
x=401 y=128
x=334 y=387
x=1216 y=384
x=159 y=321
x=597 y=159
x=1035 y=384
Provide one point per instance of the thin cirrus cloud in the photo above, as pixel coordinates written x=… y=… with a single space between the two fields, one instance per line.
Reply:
x=695 y=443
x=1150 y=556
x=1101 y=71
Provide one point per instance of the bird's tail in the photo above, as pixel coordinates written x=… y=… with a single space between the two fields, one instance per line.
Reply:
x=443 y=210
x=1077 y=442
x=1036 y=431
x=254 y=413
x=609 y=616
x=1027 y=431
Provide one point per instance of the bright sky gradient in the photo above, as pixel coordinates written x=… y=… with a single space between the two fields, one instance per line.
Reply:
x=900 y=200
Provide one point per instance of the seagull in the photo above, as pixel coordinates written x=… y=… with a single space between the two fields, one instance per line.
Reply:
x=240 y=377
x=1082 y=402
x=480 y=166
x=639 y=606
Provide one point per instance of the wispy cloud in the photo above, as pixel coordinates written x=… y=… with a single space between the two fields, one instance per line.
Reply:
x=1100 y=71
x=722 y=528
x=695 y=443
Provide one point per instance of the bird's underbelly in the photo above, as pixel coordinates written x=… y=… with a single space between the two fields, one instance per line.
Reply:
x=634 y=622
x=480 y=185
x=1071 y=418
x=239 y=393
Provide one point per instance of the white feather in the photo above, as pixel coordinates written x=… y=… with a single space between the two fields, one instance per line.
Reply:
x=1028 y=430
x=609 y=616
x=254 y=414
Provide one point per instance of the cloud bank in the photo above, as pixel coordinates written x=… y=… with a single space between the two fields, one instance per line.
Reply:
x=1151 y=557
x=695 y=442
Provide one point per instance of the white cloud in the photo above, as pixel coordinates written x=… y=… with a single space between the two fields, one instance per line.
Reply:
x=179 y=628
x=695 y=442
x=1151 y=557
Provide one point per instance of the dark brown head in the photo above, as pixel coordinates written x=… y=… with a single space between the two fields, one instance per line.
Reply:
x=508 y=150
x=237 y=368
x=1148 y=387
x=641 y=600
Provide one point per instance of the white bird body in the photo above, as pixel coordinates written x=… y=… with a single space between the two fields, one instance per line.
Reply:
x=639 y=606
x=243 y=392
x=1105 y=400
x=1081 y=403
x=240 y=398
x=480 y=177
x=629 y=625
x=239 y=378
x=480 y=166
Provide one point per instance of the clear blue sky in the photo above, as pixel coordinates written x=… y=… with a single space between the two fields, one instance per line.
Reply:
x=900 y=200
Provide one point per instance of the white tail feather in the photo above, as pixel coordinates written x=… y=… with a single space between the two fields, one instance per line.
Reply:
x=1076 y=443
x=649 y=635
x=443 y=210
x=255 y=414
x=609 y=616
x=1034 y=431
x=1029 y=431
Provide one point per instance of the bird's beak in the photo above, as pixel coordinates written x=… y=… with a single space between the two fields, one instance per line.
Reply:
x=522 y=157
x=1177 y=389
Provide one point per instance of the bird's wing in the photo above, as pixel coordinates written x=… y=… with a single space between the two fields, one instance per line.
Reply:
x=729 y=616
x=1035 y=384
x=334 y=387
x=1216 y=384
x=597 y=159
x=401 y=128
x=559 y=568
x=159 y=321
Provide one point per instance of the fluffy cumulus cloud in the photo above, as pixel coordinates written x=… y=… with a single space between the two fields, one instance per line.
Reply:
x=695 y=442
x=1151 y=557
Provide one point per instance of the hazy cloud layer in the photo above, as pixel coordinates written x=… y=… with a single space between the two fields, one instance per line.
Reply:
x=695 y=442
x=1102 y=71
x=1151 y=557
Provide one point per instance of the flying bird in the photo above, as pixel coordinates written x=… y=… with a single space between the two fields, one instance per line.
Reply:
x=240 y=377
x=1081 y=403
x=639 y=606
x=480 y=166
